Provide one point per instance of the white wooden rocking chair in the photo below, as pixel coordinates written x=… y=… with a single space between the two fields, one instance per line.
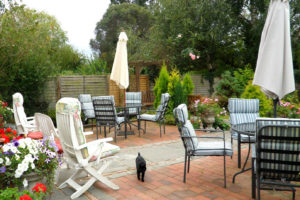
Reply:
x=92 y=157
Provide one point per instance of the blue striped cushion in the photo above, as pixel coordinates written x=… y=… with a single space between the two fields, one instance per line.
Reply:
x=236 y=105
x=163 y=105
x=279 y=149
x=188 y=130
x=133 y=98
x=87 y=106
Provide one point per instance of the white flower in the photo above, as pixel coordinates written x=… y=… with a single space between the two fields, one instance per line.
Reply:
x=25 y=183
x=32 y=165
x=17 y=157
x=1 y=160
x=8 y=162
x=179 y=35
x=18 y=173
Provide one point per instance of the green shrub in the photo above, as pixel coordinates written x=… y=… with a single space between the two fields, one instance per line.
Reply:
x=169 y=119
x=161 y=85
x=243 y=76
x=188 y=85
x=265 y=104
x=228 y=86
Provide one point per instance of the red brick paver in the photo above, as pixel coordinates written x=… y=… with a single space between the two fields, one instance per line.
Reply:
x=205 y=180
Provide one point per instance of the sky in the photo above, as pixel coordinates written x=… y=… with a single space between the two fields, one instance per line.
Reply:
x=77 y=18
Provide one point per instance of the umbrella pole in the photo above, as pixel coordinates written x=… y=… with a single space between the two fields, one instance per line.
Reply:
x=275 y=102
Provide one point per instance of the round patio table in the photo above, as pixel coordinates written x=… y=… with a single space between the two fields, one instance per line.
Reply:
x=126 y=108
x=249 y=130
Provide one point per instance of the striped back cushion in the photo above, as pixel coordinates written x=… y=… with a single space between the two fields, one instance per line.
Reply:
x=188 y=130
x=105 y=112
x=278 y=148
x=133 y=98
x=243 y=110
x=87 y=106
x=164 y=101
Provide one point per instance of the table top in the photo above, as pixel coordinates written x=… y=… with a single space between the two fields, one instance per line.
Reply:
x=245 y=128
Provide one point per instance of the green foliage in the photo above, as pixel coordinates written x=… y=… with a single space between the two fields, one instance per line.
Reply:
x=188 y=85
x=95 y=66
x=131 y=17
x=292 y=97
x=243 y=76
x=52 y=114
x=265 y=104
x=221 y=123
x=179 y=89
x=228 y=86
x=13 y=193
x=28 y=42
x=161 y=85
x=169 y=119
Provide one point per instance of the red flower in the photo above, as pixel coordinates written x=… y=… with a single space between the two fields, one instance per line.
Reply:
x=39 y=187
x=25 y=197
x=8 y=130
x=14 y=132
x=19 y=137
x=1 y=131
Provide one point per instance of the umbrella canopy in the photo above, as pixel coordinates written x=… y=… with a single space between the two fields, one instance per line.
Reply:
x=274 y=68
x=119 y=72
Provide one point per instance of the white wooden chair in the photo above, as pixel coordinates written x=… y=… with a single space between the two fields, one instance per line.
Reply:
x=92 y=157
x=24 y=124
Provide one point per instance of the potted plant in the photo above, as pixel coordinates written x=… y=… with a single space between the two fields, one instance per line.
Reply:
x=208 y=108
x=25 y=159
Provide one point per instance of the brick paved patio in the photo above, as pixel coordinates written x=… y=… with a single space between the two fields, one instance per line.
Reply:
x=205 y=180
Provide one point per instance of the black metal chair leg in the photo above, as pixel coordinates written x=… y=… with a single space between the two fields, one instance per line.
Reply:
x=145 y=127
x=253 y=180
x=97 y=130
x=224 y=171
x=188 y=169
x=104 y=131
x=115 y=134
x=160 y=128
x=164 y=127
x=239 y=151
x=258 y=186
x=184 y=174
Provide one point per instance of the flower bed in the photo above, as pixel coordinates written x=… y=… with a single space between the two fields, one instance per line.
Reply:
x=21 y=157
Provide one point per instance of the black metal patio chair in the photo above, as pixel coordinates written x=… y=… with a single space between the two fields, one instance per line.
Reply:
x=277 y=162
x=205 y=146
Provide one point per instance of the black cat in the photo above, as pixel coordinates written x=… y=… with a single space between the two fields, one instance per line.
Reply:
x=140 y=166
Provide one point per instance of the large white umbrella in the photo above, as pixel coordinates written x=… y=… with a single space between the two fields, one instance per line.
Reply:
x=119 y=72
x=274 y=68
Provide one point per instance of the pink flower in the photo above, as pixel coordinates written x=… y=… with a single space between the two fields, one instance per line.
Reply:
x=193 y=57
x=197 y=101
x=216 y=99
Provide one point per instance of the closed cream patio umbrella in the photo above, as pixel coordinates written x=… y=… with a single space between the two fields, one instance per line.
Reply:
x=119 y=72
x=274 y=68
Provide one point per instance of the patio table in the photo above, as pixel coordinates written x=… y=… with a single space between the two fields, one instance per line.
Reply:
x=127 y=116
x=249 y=130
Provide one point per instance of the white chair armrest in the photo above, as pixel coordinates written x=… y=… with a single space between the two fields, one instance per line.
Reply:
x=96 y=142
x=88 y=133
x=30 y=118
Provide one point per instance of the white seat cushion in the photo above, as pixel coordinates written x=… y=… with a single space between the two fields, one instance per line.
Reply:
x=213 y=148
x=147 y=117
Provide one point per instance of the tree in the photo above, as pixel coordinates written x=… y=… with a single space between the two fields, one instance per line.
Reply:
x=28 y=43
x=205 y=28
x=130 y=17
